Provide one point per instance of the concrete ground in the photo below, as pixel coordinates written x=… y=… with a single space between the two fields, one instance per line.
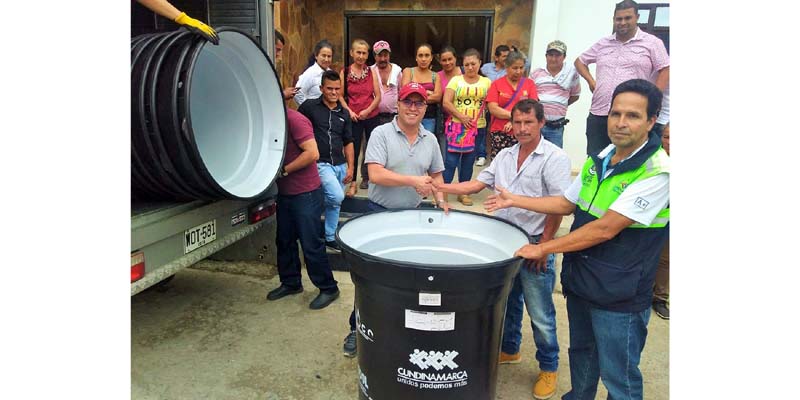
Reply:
x=211 y=334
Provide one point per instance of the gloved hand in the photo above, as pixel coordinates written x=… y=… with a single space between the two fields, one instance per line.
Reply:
x=198 y=27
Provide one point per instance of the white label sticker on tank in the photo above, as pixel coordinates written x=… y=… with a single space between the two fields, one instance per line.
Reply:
x=430 y=299
x=430 y=321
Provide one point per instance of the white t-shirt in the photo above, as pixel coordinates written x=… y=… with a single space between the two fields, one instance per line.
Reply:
x=641 y=201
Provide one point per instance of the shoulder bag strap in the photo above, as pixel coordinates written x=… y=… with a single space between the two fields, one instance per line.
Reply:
x=513 y=96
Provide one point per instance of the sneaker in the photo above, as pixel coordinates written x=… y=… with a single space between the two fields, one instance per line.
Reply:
x=331 y=244
x=349 y=347
x=545 y=386
x=662 y=309
x=481 y=161
x=465 y=199
x=506 y=358
x=364 y=184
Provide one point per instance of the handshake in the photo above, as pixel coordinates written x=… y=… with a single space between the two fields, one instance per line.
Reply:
x=423 y=185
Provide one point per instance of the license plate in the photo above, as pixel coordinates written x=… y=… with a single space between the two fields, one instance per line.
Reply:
x=200 y=236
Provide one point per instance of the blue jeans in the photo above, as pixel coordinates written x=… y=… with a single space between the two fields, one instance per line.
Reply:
x=554 y=135
x=658 y=129
x=537 y=291
x=608 y=345
x=480 y=143
x=332 y=177
x=462 y=161
x=429 y=124
x=298 y=219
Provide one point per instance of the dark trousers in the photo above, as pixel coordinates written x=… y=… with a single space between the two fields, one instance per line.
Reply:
x=298 y=219
x=596 y=134
x=360 y=128
x=658 y=129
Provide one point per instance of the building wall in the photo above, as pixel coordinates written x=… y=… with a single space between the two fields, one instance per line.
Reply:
x=293 y=20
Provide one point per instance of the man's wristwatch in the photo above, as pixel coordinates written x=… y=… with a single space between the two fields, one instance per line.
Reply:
x=284 y=173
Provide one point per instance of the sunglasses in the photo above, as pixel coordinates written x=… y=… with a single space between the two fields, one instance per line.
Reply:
x=410 y=103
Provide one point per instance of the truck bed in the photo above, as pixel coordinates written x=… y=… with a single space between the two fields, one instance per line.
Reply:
x=160 y=231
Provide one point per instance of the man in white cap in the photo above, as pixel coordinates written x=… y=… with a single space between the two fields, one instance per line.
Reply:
x=558 y=87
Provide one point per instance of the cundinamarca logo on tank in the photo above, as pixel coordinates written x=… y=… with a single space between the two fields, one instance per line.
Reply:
x=432 y=370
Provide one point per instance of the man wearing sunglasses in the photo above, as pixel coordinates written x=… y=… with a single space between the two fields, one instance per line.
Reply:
x=404 y=161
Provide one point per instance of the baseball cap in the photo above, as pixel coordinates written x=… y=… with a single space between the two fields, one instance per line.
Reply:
x=412 y=87
x=557 y=45
x=380 y=46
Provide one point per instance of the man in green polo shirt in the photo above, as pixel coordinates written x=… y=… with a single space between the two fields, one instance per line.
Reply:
x=621 y=206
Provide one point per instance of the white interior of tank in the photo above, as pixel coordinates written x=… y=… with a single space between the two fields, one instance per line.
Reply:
x=237 y=115
x=430 y=237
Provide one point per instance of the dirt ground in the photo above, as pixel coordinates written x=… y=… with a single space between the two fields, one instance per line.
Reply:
x=211 y=334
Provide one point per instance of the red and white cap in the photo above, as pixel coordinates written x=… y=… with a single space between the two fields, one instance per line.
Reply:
x=413 y=87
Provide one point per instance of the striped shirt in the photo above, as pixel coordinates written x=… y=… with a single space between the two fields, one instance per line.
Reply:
x=553 y=97
x=618 y=62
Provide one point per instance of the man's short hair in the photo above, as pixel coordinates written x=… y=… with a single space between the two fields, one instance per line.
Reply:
x=500 y=49
x=526 y=105
x=279 y=37
x=644 y=88
x=329 y=75
x=626 y=4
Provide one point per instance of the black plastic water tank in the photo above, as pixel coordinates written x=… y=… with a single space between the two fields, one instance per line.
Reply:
x=431 y=294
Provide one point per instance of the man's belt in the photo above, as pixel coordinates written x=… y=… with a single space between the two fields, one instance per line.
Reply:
x=556 y=123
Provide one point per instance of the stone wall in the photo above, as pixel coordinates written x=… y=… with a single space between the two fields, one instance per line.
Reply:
x=293 y=20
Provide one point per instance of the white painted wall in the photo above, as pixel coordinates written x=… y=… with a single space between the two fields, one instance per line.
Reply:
x=579 y=24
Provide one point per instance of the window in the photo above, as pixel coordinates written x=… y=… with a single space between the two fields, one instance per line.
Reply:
x=654 y=19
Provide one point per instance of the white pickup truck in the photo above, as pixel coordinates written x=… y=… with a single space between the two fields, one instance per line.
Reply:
x=168 y=235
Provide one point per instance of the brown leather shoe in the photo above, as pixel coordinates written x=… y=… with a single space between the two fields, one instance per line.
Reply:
x=364 y=184
x=506 y=358
x=545 y=386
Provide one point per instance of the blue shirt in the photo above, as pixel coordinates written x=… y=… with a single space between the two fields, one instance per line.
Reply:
x=488 y=70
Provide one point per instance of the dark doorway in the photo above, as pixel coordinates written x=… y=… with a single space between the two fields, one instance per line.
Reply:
x=404 y=30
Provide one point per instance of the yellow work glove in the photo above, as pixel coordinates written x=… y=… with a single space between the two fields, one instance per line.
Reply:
x=198 y=27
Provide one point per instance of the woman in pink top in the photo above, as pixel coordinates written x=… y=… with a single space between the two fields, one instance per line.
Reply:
x=362 y=94
x=423 y=75
x=501 y=99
